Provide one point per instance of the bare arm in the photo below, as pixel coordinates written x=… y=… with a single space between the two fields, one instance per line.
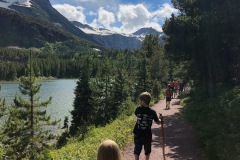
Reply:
x=159 y=119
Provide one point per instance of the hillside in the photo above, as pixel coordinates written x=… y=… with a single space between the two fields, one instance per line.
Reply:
x=43 y=9
x=17 y=29
x=20 y=30
x=37 y=24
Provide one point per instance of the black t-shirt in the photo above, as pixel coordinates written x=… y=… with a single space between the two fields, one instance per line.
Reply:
x=145 y=117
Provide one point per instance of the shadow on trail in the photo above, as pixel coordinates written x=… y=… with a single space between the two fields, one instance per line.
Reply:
x=179 y=138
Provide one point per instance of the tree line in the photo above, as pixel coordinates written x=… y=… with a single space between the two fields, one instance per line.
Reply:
x=204 y=36
x=106 y=80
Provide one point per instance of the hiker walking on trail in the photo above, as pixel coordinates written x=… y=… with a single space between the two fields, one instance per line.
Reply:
x=171 y=84
x=168 y=96
x=176 y=88
x=181 y=86
x=142 y=130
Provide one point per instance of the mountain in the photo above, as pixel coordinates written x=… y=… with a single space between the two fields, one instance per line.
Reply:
x=145 y=31
x=141 y=33
x=33 y=23
x=44 y=10
x=111 y=39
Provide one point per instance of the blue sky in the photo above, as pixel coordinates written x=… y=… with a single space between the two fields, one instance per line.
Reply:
x=125 y=16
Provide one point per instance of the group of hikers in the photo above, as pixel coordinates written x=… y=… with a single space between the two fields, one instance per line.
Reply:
x=109 y=150
x=174 y=88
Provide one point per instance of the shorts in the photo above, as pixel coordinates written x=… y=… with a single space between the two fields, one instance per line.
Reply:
x=168 y=99
x=145 y=141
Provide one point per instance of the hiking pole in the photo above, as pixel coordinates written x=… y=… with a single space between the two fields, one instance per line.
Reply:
x=163 y=143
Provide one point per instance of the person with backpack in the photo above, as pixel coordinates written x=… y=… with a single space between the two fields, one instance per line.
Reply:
x=168 y=95
x=142 y=129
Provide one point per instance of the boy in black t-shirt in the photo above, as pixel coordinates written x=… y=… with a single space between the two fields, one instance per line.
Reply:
x=142 y=130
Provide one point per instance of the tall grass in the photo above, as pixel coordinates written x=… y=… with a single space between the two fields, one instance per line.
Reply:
x=120 y=130
x=217 y=121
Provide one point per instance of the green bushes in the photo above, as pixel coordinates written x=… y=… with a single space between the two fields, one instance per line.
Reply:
x=119 y=130
x=85 y=148
x=2 y=152
x=217 y=121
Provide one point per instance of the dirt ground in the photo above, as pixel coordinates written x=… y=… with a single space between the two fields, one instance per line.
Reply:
x=180 y=137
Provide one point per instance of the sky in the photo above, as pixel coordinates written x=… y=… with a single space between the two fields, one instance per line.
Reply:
x=124 y=16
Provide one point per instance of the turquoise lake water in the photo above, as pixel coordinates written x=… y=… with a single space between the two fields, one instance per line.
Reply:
x=61 y=91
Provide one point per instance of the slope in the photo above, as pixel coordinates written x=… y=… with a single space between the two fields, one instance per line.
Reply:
x=17 y=29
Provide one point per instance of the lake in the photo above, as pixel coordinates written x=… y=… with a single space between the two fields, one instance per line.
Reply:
x=61 y=91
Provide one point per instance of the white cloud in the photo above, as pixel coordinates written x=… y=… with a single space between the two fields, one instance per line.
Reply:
x=133 y=16
x=105 y=18
x=72 y=13
x=164 y=12
x=155 y=25
x=126 y=18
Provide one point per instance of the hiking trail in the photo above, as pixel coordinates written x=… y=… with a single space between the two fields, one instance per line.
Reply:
x=180 y=136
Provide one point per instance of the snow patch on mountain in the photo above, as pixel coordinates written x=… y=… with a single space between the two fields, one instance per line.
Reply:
x=7 y=3
x=97 y=31
x=106 y=32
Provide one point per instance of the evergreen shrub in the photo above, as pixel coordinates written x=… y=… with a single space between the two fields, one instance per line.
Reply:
x=217 y=122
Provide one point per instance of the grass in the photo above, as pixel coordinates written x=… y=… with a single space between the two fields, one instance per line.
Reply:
x=119 y=130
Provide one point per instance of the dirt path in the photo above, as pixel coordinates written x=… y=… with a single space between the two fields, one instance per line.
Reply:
x=180 y=139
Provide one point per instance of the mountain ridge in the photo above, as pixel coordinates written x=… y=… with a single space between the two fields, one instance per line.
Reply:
x=117 y=40
x=42 y=11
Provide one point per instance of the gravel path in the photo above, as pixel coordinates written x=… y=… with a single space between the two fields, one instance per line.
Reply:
x=180 y=138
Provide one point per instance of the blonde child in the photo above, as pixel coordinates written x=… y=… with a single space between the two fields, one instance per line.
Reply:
x=109 y=150
x=142 y=130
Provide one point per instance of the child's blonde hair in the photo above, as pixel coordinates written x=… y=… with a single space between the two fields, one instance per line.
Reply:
x=146 y=97
x=109 y=150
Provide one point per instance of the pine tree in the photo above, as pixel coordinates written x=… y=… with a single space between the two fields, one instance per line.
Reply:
x=27 y=132
x=3 y=107
x=119 y=92
x=143 y=81
x=82 y=112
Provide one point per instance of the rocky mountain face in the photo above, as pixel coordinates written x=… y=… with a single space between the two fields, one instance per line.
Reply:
x=44 y=10
x=32 y=23
x=20 y=30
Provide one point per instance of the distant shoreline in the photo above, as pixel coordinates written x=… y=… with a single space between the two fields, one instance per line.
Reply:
x=37 y=79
